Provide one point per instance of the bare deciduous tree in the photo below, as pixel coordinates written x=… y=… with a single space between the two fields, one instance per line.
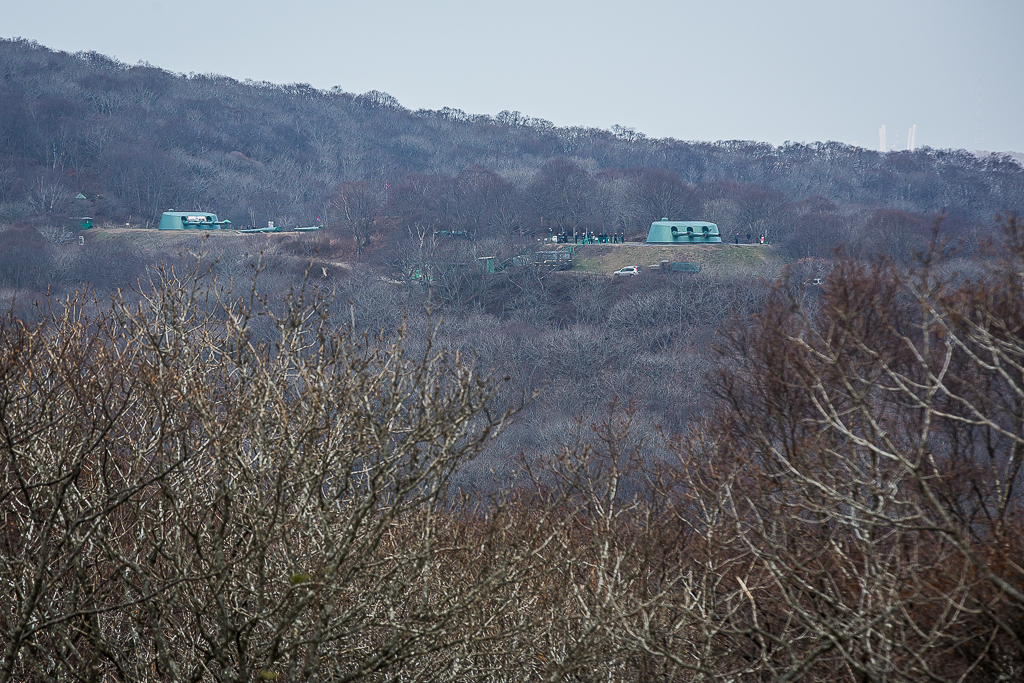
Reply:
x=183 y=502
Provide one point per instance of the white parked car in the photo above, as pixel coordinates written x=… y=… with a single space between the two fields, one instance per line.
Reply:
x=628 y=270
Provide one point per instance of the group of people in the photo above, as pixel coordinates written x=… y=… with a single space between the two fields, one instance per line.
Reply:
x=591 y=238
x=762 y=238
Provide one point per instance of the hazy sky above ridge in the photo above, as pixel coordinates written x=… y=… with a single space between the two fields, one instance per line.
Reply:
x=791 y=70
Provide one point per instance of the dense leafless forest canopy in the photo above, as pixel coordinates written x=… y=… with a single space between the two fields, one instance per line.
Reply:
x=397 y=449
x=136 y=140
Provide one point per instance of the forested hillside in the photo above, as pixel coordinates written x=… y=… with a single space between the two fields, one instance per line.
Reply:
x=399 y=448
x=186 y=497
x=393 y=186
x=137 y=140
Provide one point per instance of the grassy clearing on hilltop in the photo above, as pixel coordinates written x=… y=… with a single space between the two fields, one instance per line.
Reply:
x=607 y=258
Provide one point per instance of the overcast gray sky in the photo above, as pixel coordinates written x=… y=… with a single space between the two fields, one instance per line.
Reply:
x=789 y=70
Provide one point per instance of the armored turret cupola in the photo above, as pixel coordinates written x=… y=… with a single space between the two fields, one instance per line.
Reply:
x=190 y=220
x=683 y=232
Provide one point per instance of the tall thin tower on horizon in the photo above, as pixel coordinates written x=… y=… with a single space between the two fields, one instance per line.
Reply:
x=979 y=134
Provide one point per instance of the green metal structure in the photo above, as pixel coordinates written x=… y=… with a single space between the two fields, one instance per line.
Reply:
x=486 y=264
x=683 y=232
x=253 y=231
x=191 y=220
